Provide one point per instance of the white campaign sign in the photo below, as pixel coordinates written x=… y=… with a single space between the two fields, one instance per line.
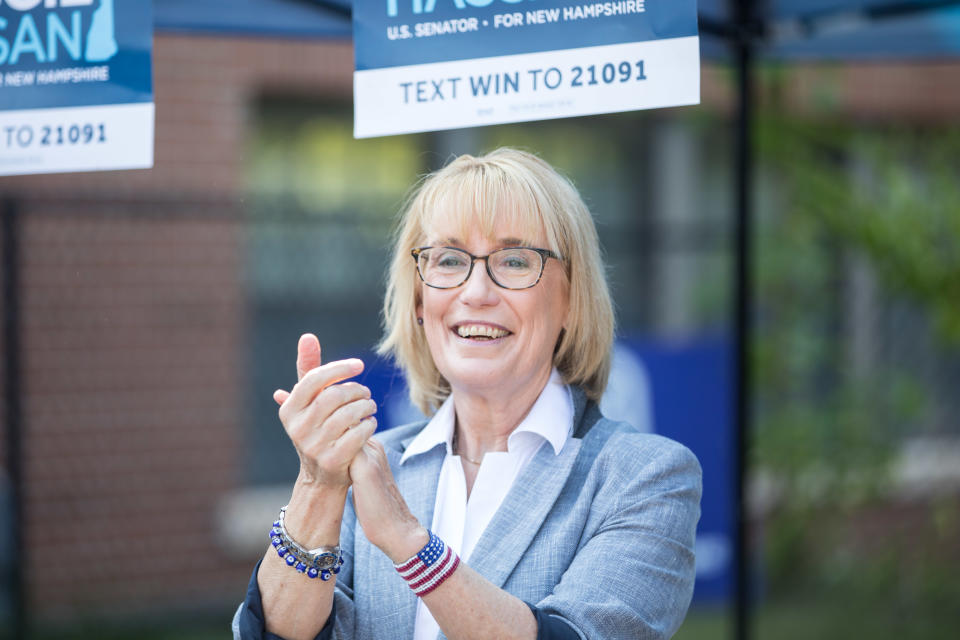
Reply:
x=530 y=86
x=96 y=138
x=425 y=65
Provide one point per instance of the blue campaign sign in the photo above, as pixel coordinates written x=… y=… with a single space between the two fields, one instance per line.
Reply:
x=425 y=65
x=76 y=86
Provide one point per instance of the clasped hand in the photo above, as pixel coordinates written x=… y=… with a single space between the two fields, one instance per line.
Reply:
x=330 y=421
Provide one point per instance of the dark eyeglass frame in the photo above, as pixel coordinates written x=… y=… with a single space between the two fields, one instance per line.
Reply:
x=544 y=255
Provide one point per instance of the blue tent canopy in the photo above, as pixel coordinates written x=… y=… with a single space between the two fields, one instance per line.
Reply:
x=284 y=18
x=784 y=29
x=844 y=29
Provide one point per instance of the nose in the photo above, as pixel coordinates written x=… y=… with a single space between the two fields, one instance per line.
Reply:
x=479 y=289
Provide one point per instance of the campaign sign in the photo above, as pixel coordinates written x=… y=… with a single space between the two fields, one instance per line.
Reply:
x=426 y=65
x=76 y=87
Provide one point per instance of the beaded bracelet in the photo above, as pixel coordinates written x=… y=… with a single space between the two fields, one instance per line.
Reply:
x=433 y=564
x=322 y=561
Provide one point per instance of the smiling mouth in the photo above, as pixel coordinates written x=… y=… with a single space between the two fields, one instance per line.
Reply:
x=480 y=332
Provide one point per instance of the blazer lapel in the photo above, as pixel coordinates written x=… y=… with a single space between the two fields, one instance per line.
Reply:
x=518 y=519
x=522 y=513
x=528 y=502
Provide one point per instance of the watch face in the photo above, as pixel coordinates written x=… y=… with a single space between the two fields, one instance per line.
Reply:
x=326 y=561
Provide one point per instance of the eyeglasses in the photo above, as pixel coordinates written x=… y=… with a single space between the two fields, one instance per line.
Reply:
x=510 y=268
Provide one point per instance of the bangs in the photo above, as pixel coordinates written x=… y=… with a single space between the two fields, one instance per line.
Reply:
x=485 y=198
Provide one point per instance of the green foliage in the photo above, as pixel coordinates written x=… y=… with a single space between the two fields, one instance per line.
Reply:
x=892 y=195
x=828 y=431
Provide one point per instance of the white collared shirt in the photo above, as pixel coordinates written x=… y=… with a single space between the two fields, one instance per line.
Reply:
x=460 y=522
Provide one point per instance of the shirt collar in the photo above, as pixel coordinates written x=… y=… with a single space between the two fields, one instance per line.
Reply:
x=551 y=418
x=439 y=430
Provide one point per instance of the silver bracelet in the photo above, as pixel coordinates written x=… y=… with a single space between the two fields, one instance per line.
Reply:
x=322 y=561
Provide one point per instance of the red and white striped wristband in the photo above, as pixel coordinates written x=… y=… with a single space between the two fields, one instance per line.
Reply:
x=432 y=565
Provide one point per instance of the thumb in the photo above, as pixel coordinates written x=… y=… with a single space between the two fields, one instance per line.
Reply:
x=280 y=396
x=308 y=354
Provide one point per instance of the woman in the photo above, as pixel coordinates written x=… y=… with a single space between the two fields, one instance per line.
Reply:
x=517 y=510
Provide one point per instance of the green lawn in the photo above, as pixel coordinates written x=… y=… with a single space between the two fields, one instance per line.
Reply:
x=805 y=620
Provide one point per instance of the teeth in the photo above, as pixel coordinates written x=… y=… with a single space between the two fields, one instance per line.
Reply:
x=477 y=330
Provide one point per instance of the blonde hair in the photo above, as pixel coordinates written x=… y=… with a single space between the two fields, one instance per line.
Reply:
x=520 y=191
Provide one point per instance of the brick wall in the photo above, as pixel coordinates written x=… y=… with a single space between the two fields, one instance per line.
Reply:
x=132 y=378
x=133 y=326
x=918 y=92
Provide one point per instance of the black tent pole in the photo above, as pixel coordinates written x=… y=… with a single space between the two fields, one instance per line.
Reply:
x=10 y=229
x=743 y=302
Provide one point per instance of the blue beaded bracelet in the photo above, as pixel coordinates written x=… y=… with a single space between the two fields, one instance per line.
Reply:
x=321 y=562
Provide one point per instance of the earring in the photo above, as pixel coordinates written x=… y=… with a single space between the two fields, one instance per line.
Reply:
x=420 y=321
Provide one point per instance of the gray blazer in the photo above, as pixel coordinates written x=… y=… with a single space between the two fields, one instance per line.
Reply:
x=601 y=535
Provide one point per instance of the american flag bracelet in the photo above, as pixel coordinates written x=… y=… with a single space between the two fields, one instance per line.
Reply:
x=432 y=565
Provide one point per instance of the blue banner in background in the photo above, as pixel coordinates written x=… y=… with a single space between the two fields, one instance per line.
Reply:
x=427 y=65
x=692 y=392
x=76 y=85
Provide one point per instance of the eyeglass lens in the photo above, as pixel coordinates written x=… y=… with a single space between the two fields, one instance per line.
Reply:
x=514 y=268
